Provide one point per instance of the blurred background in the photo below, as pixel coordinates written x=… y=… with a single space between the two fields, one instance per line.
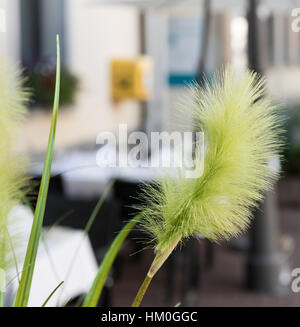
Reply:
x=129 y=62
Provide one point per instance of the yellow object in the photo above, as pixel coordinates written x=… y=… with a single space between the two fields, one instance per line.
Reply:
x=131 y=78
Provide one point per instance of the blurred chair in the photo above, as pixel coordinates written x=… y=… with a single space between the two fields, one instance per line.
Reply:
x=127 y=193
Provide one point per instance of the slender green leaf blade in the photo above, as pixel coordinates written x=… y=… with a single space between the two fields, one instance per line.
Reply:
x=26 y=278
x=1 y=299
x=87 y=228
x=51 y=294
x=95 y=291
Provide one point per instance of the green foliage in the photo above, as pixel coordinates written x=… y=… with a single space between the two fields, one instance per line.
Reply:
x=42 y=85
x=241 y=129
x=95 y=291
x=13 y=181
x=29 y=263
x=88 y=227
x=52 y=293
x=242 y=133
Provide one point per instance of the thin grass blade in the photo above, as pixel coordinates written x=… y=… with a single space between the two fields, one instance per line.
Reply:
x=26 y=278
x=51 y=294
x=95 y=291
x=87 y=228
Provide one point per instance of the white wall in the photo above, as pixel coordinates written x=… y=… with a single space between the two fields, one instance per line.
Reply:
x=9 y=40
x=94 y=35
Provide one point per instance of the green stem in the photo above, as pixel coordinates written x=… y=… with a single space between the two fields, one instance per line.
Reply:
x=158 y=261
x=140 y=294
x=1 y=299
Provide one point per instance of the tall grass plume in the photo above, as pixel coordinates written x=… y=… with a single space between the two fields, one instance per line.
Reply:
x=242 y=131
x=13 y=180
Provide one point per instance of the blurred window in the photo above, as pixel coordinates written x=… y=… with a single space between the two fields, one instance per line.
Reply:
x=41 y=20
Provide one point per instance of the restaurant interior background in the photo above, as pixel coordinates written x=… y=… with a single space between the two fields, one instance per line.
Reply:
x=171 y=44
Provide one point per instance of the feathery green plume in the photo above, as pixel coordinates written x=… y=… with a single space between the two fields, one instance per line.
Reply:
x=241 y=130
x=12 y=169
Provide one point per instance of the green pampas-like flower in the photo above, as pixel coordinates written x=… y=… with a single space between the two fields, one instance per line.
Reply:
x=241 y=130
x=12 y=169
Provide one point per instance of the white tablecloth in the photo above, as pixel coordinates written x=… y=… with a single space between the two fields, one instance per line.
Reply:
x=84 y=179
x=53 y=262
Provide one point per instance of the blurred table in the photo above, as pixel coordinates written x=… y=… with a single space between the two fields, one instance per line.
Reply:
x=83 y=179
